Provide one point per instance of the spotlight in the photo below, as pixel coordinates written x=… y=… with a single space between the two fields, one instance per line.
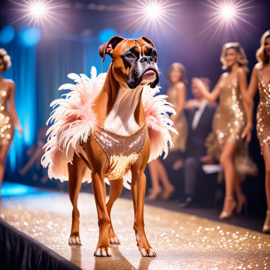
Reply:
x=227 y=16
x=153 y=11
x=39 y=11
x=228 y=12
x=154 y=14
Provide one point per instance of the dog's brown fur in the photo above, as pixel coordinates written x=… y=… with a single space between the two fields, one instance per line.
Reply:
x=98 y=161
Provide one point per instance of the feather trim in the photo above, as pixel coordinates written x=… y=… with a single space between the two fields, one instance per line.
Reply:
x=73 y=120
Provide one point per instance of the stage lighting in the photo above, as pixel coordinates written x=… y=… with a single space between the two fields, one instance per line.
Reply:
x=151 y=14
x=226 y=16
x=30 y=37
x=153 y=11
x=106 y=34
x=7 y=34
x=227 y=12
x=39 y=11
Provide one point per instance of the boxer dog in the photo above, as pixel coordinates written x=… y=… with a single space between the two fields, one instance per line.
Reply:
x=118 y=108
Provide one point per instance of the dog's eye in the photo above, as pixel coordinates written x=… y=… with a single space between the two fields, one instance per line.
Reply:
x=153 y=55
x=130 y=55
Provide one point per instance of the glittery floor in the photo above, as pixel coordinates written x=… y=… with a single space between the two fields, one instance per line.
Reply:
x=181 y=241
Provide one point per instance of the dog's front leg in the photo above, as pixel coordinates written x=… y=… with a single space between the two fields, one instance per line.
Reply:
x=116 y=187
x=103 y=247
x=138 y=185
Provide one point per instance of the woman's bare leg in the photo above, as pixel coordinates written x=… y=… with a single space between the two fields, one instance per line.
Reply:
x=227 y=162
x=266 y=156
x=157 y=171
x=154 y=176
x=37 y=154
x=3 y=153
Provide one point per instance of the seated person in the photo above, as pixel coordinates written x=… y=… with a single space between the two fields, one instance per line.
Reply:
x=199 y=118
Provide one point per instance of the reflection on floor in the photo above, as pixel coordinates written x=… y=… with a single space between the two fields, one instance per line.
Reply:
x=181 y=241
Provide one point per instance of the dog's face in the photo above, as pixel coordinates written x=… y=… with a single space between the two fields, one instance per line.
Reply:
x=134 y=61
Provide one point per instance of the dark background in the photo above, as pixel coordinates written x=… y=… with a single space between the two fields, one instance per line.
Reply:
x=67 y=47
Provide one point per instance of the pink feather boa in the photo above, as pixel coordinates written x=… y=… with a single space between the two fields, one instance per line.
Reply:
x=74 y=120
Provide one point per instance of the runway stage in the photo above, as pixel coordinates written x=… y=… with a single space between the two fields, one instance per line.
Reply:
x=181 y=241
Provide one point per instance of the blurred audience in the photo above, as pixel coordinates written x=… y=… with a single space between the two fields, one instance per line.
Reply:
x=199 y=118
x=35 y=152
x=177 y=79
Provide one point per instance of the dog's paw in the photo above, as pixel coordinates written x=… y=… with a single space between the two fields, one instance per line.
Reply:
x=103 y=252
x=74 y=240
x=148 y=253
x=114 y=241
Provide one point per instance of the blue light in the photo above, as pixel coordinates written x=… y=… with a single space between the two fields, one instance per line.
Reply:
x=7 y=34
x=106 y=34
x=12 y=189
x=30 y=37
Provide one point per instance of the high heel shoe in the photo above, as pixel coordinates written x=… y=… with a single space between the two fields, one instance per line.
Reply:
x=266 y=225
x=167 y=193
x=155 y=194
x=228 y=207
x=241 y=205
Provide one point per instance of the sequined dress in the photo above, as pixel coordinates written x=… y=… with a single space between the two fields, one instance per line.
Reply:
x=6 y=122
x=263 y=111
x=229 y=119
x=122 y=151
x=180 y=123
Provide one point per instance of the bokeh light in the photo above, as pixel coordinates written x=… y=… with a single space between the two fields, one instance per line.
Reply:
x=30 y=36
x=106 y=34
x=7 y=34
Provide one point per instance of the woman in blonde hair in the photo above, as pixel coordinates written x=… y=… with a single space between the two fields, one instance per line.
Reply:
x=8 y=117
x=260 y=79
x=177 y=79
x=230 y=119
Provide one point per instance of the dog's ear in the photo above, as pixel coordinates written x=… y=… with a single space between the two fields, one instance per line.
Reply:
x=107 y=48
x=148 y=41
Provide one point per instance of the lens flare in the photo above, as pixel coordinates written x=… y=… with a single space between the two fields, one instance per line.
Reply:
x=155 y=15
x=38 y=11
x=226 y=17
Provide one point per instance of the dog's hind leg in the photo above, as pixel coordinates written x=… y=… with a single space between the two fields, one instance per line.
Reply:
x=116 y=187
x=76 y=173
x=138 y=185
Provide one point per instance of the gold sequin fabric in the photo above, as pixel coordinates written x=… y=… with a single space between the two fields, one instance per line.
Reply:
x=6 y=123
x=263 y=112
x=122 y=151
x=180 y=123
x=229 y=119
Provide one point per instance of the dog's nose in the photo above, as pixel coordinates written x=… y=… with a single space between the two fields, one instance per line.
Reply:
x=147 y=59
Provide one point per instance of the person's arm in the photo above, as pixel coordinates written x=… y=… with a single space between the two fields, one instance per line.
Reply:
x=13 y=111
x=247 y=103
x=181 y=98
x=191 y=104
x=209 y=96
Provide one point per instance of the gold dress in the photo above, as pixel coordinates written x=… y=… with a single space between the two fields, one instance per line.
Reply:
x=122 y=151
x=230 y=118
x=263 y=112
x=180 y=123
x=228 y=124
x=6 y=122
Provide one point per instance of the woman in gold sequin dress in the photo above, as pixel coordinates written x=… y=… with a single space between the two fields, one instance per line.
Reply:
x=260 y=79
x=176 y=96
x=8 y=116
x=230 y=119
